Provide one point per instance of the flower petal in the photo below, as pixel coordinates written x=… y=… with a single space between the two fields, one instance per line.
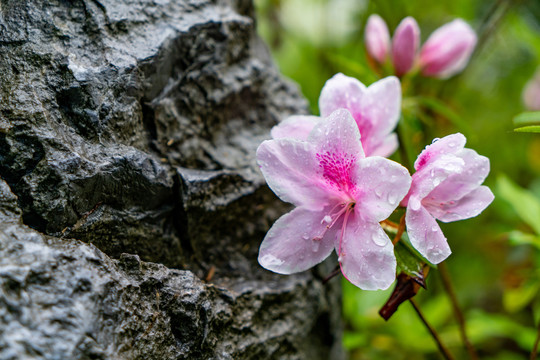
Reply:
x=341 y=92
x=295 y=127
x=385 y=148
x=292 y=172
x=448 y=49
x=405 y=45
x=367 y=255
x=467 y=207
x=384 y=183
x=337 y=134
x=450 y=144
x=377 y=38
x=425 y=234
x=289 y=245
x=475 y=170
x=425 y=180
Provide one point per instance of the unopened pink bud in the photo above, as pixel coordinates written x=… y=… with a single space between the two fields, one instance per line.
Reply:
x=447 y=51
x=377 y=38
x=531 y=94
x=405 y=45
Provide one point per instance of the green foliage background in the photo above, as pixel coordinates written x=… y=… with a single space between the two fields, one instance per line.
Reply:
x=495 y=264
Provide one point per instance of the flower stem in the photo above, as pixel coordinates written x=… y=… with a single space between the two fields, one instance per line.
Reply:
x=445 y=275
x=534 y=351
x=444 y=351
x=401 y=229
x=329 y=277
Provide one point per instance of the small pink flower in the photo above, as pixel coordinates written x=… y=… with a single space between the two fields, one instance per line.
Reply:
x=340 y=197
x=405 y=45
x=446 y=186
x=531 y=93
x=375 y=109
x=448 y=49
x=377 y=38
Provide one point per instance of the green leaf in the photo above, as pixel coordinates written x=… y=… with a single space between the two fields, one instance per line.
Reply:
x=408 y=262
x=525 y=204
x=516 y=299
x=517 y=237
x=527 y=118
x=529 y=129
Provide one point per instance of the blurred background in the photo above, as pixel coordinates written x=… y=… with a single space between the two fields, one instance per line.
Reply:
x=495 y=265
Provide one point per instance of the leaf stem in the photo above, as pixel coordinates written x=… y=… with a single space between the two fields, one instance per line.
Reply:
x=444 y=351
x=445 y=276
x=534 y=351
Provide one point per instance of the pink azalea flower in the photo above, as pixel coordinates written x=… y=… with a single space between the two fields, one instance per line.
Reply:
x=405 y=45
x=377 y=38
x=340 y=198
x=448 y=49
x=446 y=186
x=375 y=109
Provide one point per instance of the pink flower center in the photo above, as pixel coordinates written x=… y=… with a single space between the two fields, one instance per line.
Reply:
x=336 y=169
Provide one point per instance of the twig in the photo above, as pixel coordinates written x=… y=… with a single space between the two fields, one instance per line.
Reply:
x=336 y=271
x=444 y=351
x=534 y=351
x=400 y=230
x=445 y=275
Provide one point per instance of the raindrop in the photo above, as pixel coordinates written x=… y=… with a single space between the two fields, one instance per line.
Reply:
x=379 y=240
x=315 y=245
x=452 y=144
x=415 y=204
x=378 y=192
x=327 y=219
x=305 y=237
x=392 y=198
x=434 y=228
x=435 y=140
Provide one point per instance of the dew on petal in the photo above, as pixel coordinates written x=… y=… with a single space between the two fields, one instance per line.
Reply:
x=270 y=260
x=392 y=198
x=315 y=245
x=327 y=219
x=305 y=237
x=435 y=140
x=379 y=240
x=414 y=203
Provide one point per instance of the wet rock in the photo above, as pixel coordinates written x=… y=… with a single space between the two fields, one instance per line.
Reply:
x=128 y=132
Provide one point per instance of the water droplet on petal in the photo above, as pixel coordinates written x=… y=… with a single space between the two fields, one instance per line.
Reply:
x=452 y=144
x=270 y=260
x=315 y=245
x=434 y=228
x=305 y=237
x=435 y=140
x=378 y=192
x=414 y=203
x=392 y=198
x=327 y=219
x=379 y=239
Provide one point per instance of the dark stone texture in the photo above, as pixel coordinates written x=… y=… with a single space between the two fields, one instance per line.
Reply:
x=130 y=127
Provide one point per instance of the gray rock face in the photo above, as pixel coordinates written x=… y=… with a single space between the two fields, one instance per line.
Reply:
x=131 y=206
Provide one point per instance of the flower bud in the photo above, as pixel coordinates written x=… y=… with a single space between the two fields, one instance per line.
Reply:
x=448 y=49
x=377 y=38
x=405 y=45
x=531 y=93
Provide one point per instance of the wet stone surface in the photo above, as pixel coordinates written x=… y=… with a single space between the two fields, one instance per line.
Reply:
x=131 y=206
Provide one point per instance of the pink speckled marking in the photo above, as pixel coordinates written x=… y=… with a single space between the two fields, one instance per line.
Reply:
x=423 y=159
x=337 y=170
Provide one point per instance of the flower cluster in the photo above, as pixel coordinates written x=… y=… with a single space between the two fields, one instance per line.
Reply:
x=334 y=170
x=444 y=54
